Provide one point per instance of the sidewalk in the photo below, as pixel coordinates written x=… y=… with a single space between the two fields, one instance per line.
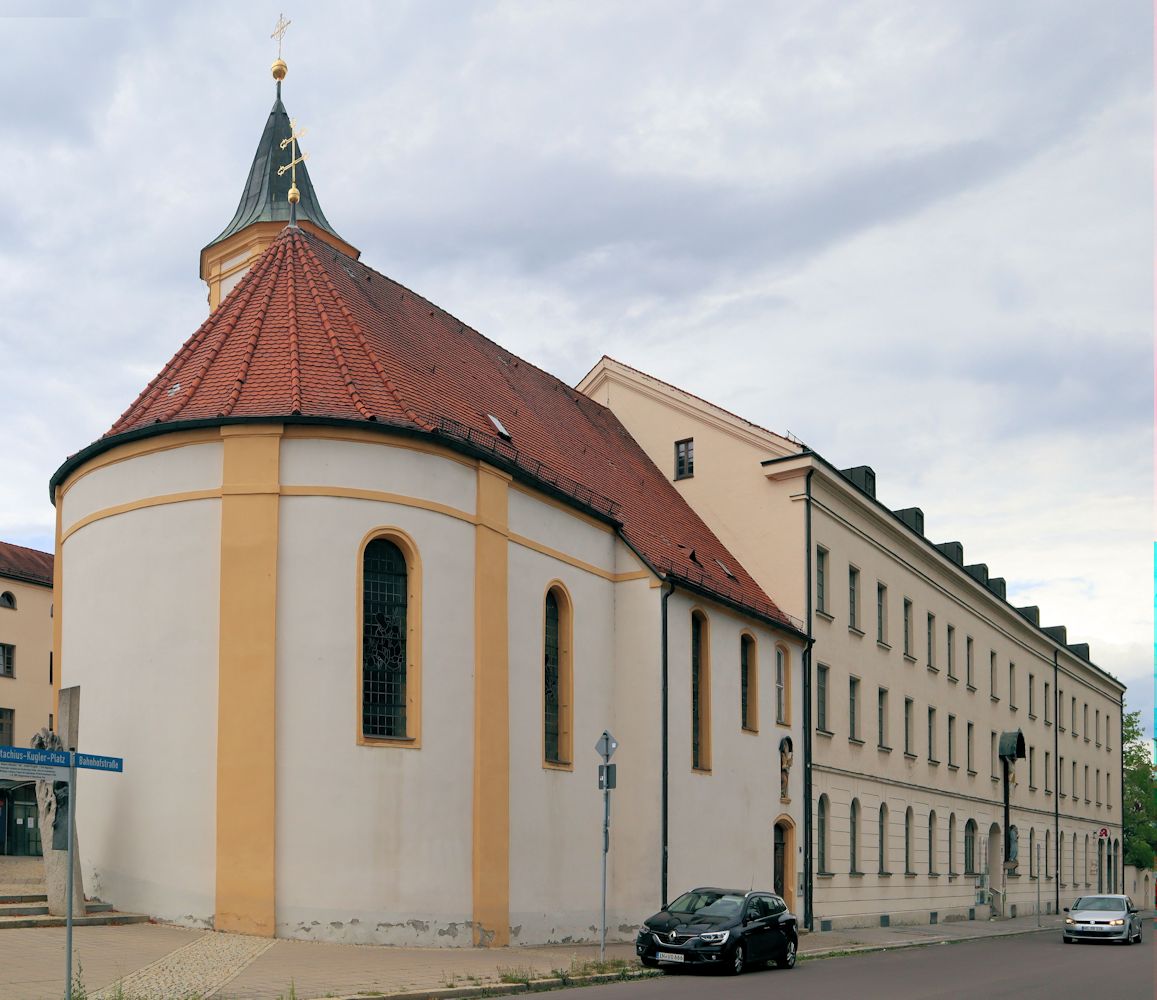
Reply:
x=169 y=963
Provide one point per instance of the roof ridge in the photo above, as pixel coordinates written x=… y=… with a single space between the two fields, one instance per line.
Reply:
x=244 y=293
x=294 y=353
x=348 y=379
x=255 y=333
x=363 y=340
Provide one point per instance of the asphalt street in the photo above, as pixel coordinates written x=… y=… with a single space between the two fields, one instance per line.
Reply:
x=1030 y=965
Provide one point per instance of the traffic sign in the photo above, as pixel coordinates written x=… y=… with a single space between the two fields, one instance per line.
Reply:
x=607 y=745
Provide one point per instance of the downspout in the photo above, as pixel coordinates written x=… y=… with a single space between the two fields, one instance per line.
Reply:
x=809 y=882
x=1056 y=786
x=1121 y=797
x=668 y=590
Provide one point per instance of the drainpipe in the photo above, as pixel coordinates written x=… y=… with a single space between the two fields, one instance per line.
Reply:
x=668 y=590
x=1056 y=786
x=1121 y=796
x=809 y=882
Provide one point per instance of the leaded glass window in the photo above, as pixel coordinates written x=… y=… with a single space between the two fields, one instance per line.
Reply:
x=696 y=691
x=551 y=681
x=745 y=687
x=384 y=628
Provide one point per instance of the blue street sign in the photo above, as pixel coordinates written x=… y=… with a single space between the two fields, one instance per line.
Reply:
x=24 y=764
x=95 y=762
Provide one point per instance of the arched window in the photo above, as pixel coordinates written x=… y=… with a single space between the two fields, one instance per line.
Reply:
x=557 y=679
x=8 y=600
x=883 y=839
x=1032 y=852
x=1118 y=871
x=854 y=836
x=952 y=844
x=748 y=684
x=932 y=837
x=822 y=834
x=700 y=693
x=782 y=686
x=388 y=687
x=970 y=847
x=908 y=870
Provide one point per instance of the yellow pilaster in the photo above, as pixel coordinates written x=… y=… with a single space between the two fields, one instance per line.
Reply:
x=491 y=714
x=246 y=768
x=57 y=607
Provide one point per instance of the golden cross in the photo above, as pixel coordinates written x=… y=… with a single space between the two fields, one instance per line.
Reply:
x=279 y=31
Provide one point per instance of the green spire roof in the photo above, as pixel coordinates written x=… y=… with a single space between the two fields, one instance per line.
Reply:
x=265 y=198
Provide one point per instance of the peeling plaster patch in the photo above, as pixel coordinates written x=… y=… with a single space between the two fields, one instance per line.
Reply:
x=337 y=925
x=485 y=937
x=516 y=931
x=626 y=928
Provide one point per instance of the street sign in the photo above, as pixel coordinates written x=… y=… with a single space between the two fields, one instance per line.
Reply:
x=607 y=776
x=95 y=762
x=606 y=746
x=22 y=763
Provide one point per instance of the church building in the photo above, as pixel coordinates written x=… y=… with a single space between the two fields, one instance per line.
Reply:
x=355 y=591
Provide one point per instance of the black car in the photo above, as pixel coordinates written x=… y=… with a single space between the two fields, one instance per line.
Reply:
x=727 y=929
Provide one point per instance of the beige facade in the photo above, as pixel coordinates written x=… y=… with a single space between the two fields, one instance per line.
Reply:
x=401 y=824
x=25 y=648
x=918 y=666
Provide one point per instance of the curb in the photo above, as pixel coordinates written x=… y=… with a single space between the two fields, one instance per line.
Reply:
x=502 y=989
x=917 y=943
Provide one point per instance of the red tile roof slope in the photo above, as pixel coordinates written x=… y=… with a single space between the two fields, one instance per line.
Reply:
x=28 y=565
x=311 y=333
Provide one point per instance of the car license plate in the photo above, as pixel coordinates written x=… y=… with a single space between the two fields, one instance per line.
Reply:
x=668 y=956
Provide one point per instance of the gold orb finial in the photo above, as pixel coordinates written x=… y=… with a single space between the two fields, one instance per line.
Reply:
x=279 y=69
x=294 y=195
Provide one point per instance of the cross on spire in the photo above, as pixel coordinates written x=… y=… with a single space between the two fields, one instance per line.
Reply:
x=279 y=31
x=294 y=194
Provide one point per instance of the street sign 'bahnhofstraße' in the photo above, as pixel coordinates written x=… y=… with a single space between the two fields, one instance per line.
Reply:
x=51 y=765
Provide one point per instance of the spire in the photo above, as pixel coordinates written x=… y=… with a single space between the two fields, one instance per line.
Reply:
x=278 y=192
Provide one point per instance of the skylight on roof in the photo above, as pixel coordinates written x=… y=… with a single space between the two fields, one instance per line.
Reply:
x=502 y=431
x=723 y=566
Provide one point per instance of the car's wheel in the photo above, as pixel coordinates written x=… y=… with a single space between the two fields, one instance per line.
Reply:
x=1067 y=939
x=787 y=959
x=1138 y=937
x=738 y=960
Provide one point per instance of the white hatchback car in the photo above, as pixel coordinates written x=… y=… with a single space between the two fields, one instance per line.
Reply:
x=1102 y=918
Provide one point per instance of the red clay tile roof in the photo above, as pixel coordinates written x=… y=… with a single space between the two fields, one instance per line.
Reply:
x=312 y=334
x=28 y=565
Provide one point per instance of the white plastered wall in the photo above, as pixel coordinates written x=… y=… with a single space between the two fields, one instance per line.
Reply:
x=395 y=822
x=140 y=637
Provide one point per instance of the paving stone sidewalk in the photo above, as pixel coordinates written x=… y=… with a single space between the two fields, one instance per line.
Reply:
x=160 y=962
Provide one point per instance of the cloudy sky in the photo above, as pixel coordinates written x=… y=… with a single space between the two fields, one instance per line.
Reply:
x=915 y=235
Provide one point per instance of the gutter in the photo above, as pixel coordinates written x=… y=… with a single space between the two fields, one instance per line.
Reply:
x=809 y=881
x=668 y=590
x=1056 y=786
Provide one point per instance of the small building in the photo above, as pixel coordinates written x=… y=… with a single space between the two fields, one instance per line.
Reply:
x=26 y=681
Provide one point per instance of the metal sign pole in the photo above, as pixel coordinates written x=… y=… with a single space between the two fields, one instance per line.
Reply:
x=71 y=862
x=606 y=846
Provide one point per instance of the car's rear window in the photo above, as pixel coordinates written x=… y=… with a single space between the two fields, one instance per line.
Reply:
x=1099 y=903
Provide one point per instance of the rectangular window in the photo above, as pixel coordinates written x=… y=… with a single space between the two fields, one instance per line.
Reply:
x=881 y=613
x=1109 y=789
x=909 y=709
x=932 y=641
x=971 y=761
x=1061 y=777
x=853 y=708
x=50 y=670
x=1074 y=716
x=1074 y=792
x=1097 y=787
x=1060 y=710
x=780 y=687
x=951 y=651
x=993 y=757
x=685 y=458
x=7 y=660
x=748 y=690
x=1048 y=772
x=1085 y=722
x=1012 y=685
x=7 y=727
x=1048 y=705
x=1108 y=733
x=700 y=695
x=853 y=598
x=968 y=674
x=882 y=716
x=907 y=627
x=1031 y=768
x=1032 y=695
x=952 y=741
x=1097 y=728
x=992 y=675
x=822 y=580
x=822 y=698
x=932 y=734
x=1087 y=799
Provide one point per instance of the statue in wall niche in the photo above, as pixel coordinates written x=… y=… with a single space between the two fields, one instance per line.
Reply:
x=53 y=805
x=1013 y=849
x=785 y=758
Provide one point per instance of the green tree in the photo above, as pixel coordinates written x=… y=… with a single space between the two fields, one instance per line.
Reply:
x=1140 y=800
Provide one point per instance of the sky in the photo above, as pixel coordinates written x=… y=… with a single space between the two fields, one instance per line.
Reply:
x=917 y=236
